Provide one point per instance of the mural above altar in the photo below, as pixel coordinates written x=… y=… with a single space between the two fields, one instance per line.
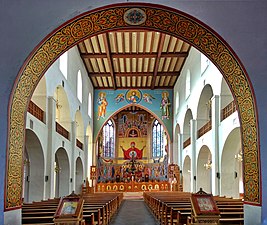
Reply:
x=157 y=102
x=133 y=142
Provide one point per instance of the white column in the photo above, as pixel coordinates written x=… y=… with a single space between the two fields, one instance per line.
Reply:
x=215 y=120
x=50 y=157
x=175 y=148
x=170 y=150
x=86 y=157
x=193 y=130
x=94 y=152
x=73 y=161
x=94 y=158
x=180 y=150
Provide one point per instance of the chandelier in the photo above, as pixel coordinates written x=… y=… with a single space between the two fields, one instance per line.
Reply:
x=208 y=165
x=239 y=156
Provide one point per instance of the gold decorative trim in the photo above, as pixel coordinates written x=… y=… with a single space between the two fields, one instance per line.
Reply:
x=157 y=18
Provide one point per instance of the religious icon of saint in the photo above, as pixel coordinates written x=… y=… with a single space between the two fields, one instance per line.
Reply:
x=69 y=208
x=102 y=105
x=165 y=105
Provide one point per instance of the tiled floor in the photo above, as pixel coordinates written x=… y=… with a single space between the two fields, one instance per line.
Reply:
x=133 y=212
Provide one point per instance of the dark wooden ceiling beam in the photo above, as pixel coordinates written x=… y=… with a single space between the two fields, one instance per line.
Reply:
x=110 y=63
x=135 y=55
x=126 y=74
x=160 y=47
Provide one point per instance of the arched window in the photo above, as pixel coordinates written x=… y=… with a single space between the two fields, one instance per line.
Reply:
x=79 y=86
x=108 y=140
x=188 y=84
x=63 y=64
x=157 y=140
x=90 y=105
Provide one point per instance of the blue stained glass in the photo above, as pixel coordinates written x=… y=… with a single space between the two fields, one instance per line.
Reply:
x=157 y=140
x=108 y=140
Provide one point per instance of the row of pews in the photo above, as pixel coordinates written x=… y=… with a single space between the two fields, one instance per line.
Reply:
x=175 y=208
x=98 y=209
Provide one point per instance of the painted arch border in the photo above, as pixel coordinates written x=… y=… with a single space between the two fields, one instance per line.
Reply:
x=108 y=18
x=140 y=106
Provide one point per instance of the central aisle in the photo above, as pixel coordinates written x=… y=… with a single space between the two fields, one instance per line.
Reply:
x=133 y=212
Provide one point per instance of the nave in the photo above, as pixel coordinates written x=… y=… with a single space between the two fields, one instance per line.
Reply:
x=147 y=208
x=133 y=212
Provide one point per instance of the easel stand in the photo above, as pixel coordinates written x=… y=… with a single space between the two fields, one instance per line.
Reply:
x=70 y=211
x=204 y=209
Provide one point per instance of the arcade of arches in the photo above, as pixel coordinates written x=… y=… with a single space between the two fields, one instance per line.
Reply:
x=134 y=134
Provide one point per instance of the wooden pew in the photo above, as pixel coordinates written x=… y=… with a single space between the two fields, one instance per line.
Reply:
x=175 y=208
x=98 y=209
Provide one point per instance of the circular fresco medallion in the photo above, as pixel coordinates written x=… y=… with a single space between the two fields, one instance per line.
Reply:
x=133 y=96
x=134 y=16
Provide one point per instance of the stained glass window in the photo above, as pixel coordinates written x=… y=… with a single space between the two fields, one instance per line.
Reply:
x=157 y=140
x=108 y=140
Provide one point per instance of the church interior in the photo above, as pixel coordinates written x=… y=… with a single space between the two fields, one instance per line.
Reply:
x=121 y=112
x=133 y=113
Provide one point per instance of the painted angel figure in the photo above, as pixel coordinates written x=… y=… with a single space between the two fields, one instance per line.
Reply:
x=119 y=98
x=148 y=98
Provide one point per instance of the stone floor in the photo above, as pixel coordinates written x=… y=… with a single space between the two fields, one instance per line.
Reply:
x=133 y=212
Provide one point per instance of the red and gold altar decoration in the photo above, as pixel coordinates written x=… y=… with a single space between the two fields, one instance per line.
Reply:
x=133 y=186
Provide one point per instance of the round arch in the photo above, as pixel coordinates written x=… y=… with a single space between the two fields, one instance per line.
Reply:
x=231 y=170
x=142 y=107
x=36 y=166
x=79 y=175
x=187 y=174
x=177 y=151
x=62 y=105
x=204 y=179
x=62 y=172
x=79 y=126
x=159 y=18
x=204 y=106
x=186 y=127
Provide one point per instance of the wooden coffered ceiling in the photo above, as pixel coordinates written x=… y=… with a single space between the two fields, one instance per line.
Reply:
x=133 y=59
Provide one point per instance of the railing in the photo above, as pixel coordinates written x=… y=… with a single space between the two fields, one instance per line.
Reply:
x=228 y=110
x=36 y=111
x=62 y=131
x=204 y=129
x=79 y=144
x=187 y=142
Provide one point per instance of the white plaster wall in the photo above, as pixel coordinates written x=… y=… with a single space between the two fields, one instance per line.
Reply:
x=213 y=77
x=54 y=78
